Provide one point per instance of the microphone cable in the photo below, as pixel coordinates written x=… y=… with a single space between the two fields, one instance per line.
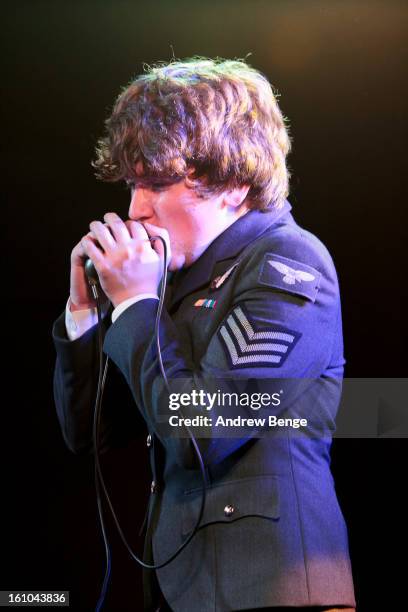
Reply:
x=99 y=480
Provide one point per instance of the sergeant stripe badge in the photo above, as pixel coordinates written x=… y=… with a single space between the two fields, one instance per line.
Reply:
x=246 y=346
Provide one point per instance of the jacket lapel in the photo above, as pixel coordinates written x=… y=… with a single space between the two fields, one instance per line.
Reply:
x=227 y=245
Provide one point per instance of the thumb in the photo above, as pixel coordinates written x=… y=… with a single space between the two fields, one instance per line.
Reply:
x=154 y=231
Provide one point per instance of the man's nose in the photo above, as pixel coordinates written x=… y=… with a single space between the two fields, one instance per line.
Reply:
x=140 y=208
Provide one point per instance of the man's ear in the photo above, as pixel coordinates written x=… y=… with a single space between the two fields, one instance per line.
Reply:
x=235 y=197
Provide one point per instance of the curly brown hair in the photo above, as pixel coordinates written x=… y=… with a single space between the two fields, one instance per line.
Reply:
x=214 y=123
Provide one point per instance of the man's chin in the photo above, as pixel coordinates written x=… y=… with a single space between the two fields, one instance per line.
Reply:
x=176 y=262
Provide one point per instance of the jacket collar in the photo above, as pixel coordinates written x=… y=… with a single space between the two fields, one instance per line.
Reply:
x=227 y=245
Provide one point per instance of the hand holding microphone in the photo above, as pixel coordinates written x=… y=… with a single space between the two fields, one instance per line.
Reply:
x=127 y=260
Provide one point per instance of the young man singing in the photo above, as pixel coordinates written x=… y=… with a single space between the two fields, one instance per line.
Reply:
x=252 y=296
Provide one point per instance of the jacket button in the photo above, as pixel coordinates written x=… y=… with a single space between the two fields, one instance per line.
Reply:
x=229 y=510
x=153 y=487
x=149 y=441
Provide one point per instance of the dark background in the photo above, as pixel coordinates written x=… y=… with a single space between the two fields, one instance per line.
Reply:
x=340 y=67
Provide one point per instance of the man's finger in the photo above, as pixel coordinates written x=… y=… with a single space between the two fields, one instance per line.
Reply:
x=136 y=230
x=101 y=234
x=154 y=230
x=118 y=228
x=93 y=252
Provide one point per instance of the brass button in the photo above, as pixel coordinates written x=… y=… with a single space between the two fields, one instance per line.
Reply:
x=149 y=441
x=229 y=510
x=153 y=487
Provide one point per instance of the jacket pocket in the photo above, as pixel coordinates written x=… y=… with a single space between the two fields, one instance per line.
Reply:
x=231 y=501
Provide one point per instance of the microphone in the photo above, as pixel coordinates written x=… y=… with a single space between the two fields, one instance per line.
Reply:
x=91 y=273
x=93 y=278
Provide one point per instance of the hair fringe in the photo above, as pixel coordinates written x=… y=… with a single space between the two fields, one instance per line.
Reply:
x=215 y=123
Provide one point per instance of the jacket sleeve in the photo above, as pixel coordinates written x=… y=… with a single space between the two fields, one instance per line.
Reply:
x=75 y=386
x=268 y=335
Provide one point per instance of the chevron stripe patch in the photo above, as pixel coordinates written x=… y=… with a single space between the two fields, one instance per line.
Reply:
x=247 y=346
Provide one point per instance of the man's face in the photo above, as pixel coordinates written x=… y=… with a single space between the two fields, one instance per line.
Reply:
x=192 y=222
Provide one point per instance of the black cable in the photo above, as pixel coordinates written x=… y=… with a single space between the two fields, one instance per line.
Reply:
x=95 y=435
x=99 y=480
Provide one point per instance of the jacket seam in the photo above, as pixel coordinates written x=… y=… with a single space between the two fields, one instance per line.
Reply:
x=299 y=517
x=216 y=569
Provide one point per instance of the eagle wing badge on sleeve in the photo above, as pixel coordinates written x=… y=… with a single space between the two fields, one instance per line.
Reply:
x=290 y=275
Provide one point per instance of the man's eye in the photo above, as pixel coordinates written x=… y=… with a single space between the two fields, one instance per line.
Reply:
x=132 y=185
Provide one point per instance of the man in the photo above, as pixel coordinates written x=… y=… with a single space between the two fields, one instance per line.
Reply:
x=252 y=297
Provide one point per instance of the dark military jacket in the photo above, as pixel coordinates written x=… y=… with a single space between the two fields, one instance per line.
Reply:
x=259 y=310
